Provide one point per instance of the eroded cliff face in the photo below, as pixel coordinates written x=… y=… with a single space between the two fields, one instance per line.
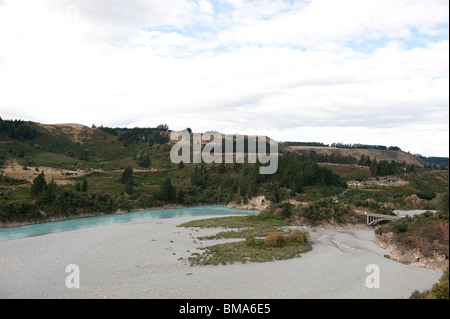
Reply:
x=413 y=256
x=259 y=203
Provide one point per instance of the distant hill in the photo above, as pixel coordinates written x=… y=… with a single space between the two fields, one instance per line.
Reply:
x=53 y=171
x=439 y=161
x=79 y=146
x=380 y=155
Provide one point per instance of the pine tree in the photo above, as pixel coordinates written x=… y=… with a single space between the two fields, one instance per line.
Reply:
x=38 y=185
x=167 y=192
x=127 y=175
x=84 y=186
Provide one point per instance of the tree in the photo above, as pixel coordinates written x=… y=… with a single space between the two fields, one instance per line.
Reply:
x=127 y=175
x=222 y=169
x=243 y=187
x=48 y=194
x=167 y=192
x=197 y=178
x=143 y=160
x=84 y=186
x=129 y=187
x=442 y=202
x=38 y=185
x=374 y=168
x=84 y=156
x=410 y=168
x=162 y=127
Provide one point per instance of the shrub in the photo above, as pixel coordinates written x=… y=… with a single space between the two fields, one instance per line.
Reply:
x=297 y=235
x=274 y=239
x=278 y=212
x=400 y=227
x=423 y=244
x=439 y=291
x=250 y=240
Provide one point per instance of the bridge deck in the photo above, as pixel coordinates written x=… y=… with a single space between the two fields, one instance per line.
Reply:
x=373 y=218
x=383 y=216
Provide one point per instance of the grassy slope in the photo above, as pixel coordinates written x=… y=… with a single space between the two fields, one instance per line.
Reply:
x=399 y=156
x=61 y=147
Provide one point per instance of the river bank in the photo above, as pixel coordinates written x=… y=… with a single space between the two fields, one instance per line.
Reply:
x=148 y=259
x=117 y=212
x=414 y=257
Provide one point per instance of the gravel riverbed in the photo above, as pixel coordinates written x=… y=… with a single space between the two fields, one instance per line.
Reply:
x=148 y=260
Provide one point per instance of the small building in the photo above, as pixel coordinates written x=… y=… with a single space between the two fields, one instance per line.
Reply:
x=71 y=173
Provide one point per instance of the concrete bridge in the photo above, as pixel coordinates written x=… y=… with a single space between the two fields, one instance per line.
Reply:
x=373 y=219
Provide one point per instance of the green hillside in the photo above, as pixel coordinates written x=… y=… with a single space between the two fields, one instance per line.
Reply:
x=68 y=170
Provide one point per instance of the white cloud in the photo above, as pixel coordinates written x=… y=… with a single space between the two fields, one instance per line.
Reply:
x=205 y=7
x=333 y=21
x=260 y=66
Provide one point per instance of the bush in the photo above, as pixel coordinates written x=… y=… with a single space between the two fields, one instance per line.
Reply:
x=250 y=240
x=297 y=235
x=439 y=291
x=143 y=160
x=400 y=227
x=278 y=212
x=274 y=239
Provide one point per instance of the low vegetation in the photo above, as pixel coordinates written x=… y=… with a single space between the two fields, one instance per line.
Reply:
x=440 y=290
x=263 y=237
x=427 y=232
x=100 y=155
x=257 y=225
x=275 y=246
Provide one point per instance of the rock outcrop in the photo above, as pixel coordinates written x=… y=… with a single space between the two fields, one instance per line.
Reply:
x=259 y=203
x=414 y=256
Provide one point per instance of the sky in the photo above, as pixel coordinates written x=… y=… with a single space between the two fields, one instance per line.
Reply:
x=349 y=71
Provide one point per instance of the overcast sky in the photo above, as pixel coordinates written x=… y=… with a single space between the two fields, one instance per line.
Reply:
x=351 y=71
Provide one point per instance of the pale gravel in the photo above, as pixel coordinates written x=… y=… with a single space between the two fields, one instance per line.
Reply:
x=142 y=260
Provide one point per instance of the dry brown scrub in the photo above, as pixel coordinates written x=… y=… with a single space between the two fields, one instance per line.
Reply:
x=17 y=171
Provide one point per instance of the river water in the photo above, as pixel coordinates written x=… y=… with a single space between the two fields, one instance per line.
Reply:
x=85 y=222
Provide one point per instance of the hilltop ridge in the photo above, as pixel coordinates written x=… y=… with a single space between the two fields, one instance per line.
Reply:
x=388 y=155
x=53 y=171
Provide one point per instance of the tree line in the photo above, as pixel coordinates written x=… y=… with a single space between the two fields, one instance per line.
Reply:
x=50 y=200
x=18 y=129
x=366 y=147
x=343 y=145
x=135 y=135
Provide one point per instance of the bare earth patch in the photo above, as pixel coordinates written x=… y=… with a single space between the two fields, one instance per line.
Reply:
x=15 y=170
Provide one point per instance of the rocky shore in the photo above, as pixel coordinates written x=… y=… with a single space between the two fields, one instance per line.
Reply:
x=410 y=256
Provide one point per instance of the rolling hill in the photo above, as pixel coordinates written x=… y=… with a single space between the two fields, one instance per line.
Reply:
x=380 y=155
x=58 y=171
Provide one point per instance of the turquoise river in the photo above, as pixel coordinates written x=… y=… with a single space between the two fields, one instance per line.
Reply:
x=78 y=223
